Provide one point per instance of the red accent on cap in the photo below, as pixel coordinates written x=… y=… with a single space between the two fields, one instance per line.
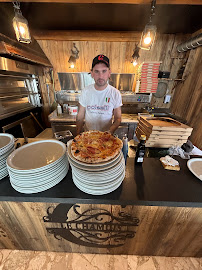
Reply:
x=100 y=57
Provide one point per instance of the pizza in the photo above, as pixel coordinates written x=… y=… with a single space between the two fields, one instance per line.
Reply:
x=95 y=146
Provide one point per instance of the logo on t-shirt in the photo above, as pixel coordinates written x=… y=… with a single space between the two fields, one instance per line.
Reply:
x=107 y=99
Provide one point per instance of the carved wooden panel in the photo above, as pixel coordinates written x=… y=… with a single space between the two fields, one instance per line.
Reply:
x=107 y=229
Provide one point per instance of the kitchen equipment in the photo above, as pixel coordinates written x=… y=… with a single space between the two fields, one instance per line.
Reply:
x=59 y=109
x=161 y=90
x=73 y=83
x=164 y=74
x=73 y=110
x=19 y=87
x=65 y=108
x=125 y=147
x=140 y=152
x=63 y=136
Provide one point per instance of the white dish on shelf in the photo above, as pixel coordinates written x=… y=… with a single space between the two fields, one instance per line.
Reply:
x=37 y=166
x=38 y=173
x=94 y=168
x=102 y=183
x=34 y=181
x=90 y=165
x=36 y=189
x=37 y=155
x=3 y=173
x=6 y=142
x=98 y=178
x=95 y=177
x=43 y=184
x=195 y=166
x=101 y=191
x=6 y=148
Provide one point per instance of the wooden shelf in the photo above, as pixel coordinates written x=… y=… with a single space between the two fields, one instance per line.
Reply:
x=168 y=79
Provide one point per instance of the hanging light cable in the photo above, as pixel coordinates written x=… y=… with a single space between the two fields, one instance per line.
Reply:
x=20 y=25
x=149 y=33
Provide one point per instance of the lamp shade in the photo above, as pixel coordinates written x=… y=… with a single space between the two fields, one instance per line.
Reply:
x=72 y=61
x=21 y=28
x=148 y=37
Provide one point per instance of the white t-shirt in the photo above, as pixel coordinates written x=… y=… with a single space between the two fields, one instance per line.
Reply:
x=99 y=106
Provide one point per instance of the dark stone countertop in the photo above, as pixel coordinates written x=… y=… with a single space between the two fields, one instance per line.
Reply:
x=150 y=184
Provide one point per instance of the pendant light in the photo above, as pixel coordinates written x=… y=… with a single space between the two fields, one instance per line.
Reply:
x=135 y=55
x=74 y=55
x=149 y=33
x=20 y=25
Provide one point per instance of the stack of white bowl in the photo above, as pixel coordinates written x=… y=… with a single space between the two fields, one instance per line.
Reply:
x=100 y=178
x=7 y=144
x=37 y=166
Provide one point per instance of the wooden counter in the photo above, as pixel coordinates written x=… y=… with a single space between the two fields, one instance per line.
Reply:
x=154 y=212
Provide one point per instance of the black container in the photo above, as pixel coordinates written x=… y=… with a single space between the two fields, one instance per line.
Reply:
x=139 y=158
x=164 y=74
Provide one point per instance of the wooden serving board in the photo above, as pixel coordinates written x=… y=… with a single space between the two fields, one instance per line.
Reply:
x=149 y=130
x=164 y=123
x=167 y=136
x=162 y=134
x=159 y=145
x=161 y=142
x=166 y=141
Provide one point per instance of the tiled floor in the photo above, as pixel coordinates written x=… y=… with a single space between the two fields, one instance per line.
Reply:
x=36 y=260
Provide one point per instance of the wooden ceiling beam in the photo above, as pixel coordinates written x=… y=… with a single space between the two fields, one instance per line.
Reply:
x=167 y=2
x=129 y=36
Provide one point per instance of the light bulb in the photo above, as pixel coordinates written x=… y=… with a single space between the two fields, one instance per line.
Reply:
x=72 y=66
x=147 y=38
x=22 y=30
x=135 y=63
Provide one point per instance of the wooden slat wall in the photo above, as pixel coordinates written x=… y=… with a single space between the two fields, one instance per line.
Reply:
x=187 y=100
x=162 y=231
x=164 y=50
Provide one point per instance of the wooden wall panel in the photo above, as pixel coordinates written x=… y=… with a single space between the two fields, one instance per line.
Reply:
x=140 y=230
x=119 y=53
x=187 y=101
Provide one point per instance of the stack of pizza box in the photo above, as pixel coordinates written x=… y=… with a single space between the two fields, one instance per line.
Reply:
x=147 y=77
x=163 y=132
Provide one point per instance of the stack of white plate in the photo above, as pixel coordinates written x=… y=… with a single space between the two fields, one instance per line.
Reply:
x=37 y=166
x=7 y=144
x=100 y=178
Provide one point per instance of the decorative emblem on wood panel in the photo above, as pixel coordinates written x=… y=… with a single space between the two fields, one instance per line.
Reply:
x=95 y=227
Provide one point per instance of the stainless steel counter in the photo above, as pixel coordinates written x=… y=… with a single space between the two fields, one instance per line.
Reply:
x=65 y=117
x=66 y=121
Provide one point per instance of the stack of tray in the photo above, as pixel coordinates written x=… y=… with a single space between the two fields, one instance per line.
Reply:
x=163 y=132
